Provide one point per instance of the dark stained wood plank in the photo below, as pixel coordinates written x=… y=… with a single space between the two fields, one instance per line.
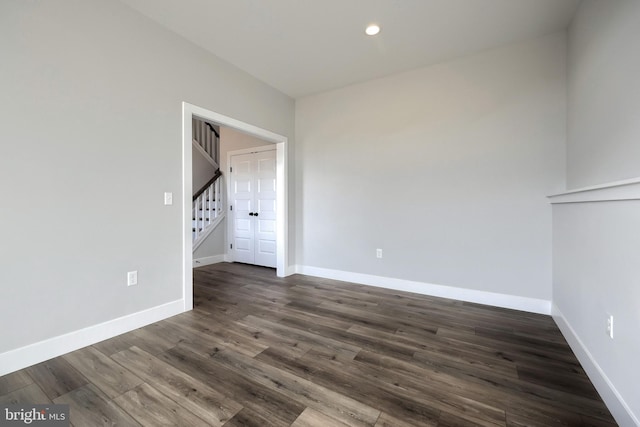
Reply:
x=332 y=372
x=271 y=404
x=386 y=420
x=525 y=402
x=32 y=394
x=593 y=422
x=248 y=418
x=435 y=349
x=358 y=341
x=14 y=381
x=350 y=314
x=151 y=342
x=518 y=393
x=433 y=378
x=295 y=347
x=112 y=379
x=450 y=420
x=529 y=415
x=421 y=389
x=113 y=345
x=325 y=400
x=516 y=352
x=151 y=408
x=88 y=406
x=308 y=336
x=286 y=361
x=220 y=337
x=276 y=314
x=194 y=395
x=558 y=380
x=56 y=377
x=465 y=361
x=522 y=339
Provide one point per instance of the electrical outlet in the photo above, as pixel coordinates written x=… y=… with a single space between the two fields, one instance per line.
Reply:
x=132 y=278
x=610 y=326
x=168 y=199
x=378 y=253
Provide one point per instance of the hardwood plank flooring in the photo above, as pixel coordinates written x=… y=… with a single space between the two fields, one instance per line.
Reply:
x=88 y=406
x=152 y=408
x=104 y=372
x=258 y=350
x=14 y=381
x=192 y=394
x=56 y=377
x=31 y=393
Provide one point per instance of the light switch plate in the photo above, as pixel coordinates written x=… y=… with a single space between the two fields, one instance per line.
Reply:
x=168 y=199
x=132 y=278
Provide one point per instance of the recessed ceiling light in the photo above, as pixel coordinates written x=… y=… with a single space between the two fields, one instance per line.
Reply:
x=372 y=30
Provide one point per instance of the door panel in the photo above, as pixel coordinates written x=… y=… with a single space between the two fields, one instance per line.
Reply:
x=266 y=202
x=242 y=200
x=254 y=192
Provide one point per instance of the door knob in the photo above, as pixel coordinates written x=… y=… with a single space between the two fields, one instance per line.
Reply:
x=255 y=214
x=250 y=213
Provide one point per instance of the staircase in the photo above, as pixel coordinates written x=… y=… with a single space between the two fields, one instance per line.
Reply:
x=208 y=209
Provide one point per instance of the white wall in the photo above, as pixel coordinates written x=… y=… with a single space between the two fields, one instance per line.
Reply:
x=596 y=274
x=604 y=94
x=445 y=168
x=595 y=244
x=214 y=244
x=91 y=138
x=231 y=140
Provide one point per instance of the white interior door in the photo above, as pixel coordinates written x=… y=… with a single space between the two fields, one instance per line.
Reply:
x=253 y=204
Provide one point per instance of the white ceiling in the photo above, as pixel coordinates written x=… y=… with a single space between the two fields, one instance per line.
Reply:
x=306 y=46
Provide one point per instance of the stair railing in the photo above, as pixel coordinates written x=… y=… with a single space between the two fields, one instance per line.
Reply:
x=207 y=205
x=207 y=137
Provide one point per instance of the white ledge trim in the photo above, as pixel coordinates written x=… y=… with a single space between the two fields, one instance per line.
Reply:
x=614 y=191
x=532 y=305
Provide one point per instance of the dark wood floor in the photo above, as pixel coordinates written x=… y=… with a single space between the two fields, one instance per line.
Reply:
x=301 y=351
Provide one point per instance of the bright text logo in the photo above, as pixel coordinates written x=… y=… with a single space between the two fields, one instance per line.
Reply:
x=34 y=415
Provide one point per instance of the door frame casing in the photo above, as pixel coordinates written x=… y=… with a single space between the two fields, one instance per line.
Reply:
x=228 y=185
x=282 y=199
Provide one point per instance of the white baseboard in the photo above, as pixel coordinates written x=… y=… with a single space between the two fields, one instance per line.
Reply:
x=614 y=401
x=531 y=305
x=14 y=360
x=291 y=269
x=208 y=260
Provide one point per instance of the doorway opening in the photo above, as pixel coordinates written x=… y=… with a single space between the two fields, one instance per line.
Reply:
x=190 y=111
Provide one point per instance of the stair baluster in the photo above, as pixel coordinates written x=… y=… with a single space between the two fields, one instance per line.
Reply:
x=207 y=201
